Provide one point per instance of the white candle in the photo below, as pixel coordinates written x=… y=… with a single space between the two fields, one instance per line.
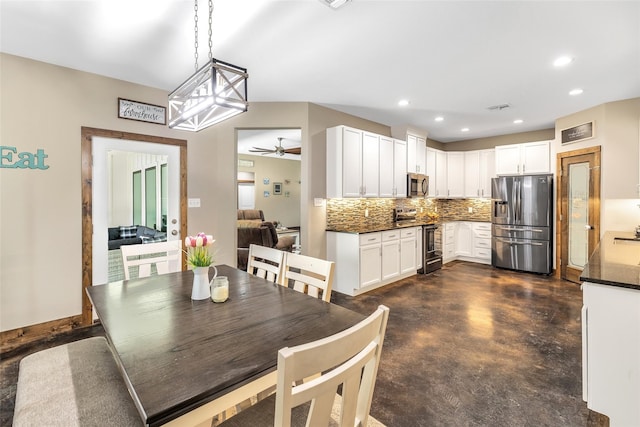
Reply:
x=220 y=289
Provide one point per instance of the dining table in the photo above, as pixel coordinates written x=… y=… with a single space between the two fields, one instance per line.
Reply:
x=185 y=361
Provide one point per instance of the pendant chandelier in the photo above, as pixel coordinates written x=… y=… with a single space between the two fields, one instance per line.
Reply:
x=216 y=92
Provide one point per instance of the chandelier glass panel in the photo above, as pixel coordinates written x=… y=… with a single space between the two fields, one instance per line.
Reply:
x=216 y=92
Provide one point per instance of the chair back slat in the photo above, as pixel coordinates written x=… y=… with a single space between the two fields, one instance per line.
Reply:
x=265 y=262
x=353 y=360
x=309 y=275
x=164 y=255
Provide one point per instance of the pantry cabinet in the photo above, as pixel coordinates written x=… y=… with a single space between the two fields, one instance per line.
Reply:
x=520 y=159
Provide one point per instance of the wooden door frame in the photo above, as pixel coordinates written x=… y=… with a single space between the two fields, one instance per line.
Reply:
x=596 y=151
x=87 y=135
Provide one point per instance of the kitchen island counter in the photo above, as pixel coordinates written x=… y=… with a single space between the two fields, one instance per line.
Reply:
x=615 y=262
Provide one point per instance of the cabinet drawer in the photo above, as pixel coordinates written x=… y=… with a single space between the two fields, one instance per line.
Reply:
x=483 y=234
x=369 y=238
x=449 y=251
x=483 y=243
x=482 y=253
x=390 y=235
x=477 y=226
x=407 y=232
x=449 y=239
x=450 y=226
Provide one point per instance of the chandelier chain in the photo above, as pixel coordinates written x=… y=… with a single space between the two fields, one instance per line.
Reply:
x=195 y=19
x=210 y=29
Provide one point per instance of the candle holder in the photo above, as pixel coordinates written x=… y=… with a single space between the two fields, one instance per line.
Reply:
x=219 y=289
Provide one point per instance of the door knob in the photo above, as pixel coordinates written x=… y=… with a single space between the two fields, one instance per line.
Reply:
x=174 y=233
x=588 y=227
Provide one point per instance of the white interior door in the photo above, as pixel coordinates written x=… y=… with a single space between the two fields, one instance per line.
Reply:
x=246 y=196
x=101 y=148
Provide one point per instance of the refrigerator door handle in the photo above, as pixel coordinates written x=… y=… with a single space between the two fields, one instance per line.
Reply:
x=512 y=242
x=534 y=230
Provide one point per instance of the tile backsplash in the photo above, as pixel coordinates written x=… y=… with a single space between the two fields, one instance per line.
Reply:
x=352 y=212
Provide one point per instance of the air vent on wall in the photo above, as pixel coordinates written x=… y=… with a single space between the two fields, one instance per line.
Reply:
x=499 y=107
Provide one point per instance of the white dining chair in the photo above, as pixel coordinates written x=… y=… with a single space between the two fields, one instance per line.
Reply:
x=312 y=276
x=265 y=262
x=164 y=255
x=349 y=358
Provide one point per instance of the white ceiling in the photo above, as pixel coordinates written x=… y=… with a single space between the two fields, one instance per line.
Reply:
x=449 y=58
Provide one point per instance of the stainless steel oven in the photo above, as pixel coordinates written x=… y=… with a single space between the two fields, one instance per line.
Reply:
x=432 y=257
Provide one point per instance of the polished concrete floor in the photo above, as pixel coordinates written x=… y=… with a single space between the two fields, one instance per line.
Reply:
x=468 y=345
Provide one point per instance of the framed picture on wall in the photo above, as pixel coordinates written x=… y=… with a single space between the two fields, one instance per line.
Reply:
x=277 y=188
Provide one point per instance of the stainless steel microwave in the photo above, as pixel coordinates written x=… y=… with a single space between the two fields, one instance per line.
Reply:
x=417 y=185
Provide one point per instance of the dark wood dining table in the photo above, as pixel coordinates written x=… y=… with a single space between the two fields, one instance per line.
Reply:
x=184 y=361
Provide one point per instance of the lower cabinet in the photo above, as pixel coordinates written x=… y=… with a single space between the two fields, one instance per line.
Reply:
x=466 y=241
x=370 y=260
x=611 y=352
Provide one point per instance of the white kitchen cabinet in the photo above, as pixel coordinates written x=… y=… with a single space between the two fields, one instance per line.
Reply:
x=370 y=259
x=387 y=174
x=441 y=174
x=419 y=254
x=464 y=239
x=479 y=168
x=611 y=352
x=521 y=159
x=399 y=167
x=390 y=254
x=431 y=171
x=367 y=261
x=482 y=242
x=448 y=242
x=370 y=164
x=352 y=163
x=408 y=250
x=416 y=154
x=455 y=174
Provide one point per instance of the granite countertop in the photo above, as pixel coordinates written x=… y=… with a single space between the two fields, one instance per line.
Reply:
x=360 y=229
x=615 y=262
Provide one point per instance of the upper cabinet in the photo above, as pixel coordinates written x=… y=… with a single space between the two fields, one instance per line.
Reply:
x=521 y=159
x=393 y=180
x=365 y=164
x=416 y=154
x=479 y=168
x=455 y=174
x=437 y=172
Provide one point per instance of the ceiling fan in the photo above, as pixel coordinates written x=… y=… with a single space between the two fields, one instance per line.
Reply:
x=279 y=149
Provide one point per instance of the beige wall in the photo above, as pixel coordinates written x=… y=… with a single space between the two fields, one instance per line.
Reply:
x=494 y=141
x=284 y=208
x=617 y=131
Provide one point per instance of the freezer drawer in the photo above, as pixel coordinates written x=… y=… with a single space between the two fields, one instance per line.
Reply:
x=521 y=254
x=521 y=232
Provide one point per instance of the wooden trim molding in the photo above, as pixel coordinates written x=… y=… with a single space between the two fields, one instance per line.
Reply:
x=596 y=152
x=14 y=338
x=86 y=150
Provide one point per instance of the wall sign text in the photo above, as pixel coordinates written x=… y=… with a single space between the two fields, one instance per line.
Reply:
x=577 y=133
x=10 y=158
x=142 y=112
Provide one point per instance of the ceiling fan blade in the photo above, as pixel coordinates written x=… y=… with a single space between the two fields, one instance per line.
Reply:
x=261 y=150
x=295 y=150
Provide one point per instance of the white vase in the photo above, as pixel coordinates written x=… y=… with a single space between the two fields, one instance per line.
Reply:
x=201 y=289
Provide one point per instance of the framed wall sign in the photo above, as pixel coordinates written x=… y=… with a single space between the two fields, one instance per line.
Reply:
x=577 y=133
x=142 y=112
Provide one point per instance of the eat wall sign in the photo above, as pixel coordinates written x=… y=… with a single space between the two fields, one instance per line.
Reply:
x=10 y=158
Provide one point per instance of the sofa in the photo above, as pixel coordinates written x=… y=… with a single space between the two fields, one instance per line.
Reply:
x=134 y=235
x=253 y=229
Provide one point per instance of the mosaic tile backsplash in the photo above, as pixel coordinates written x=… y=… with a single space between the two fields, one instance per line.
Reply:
x=351 y=212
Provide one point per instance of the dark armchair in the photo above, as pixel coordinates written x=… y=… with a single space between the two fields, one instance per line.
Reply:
x=258 y=232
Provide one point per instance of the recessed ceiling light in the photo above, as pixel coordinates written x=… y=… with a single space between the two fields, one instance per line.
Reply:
x=518 y=121
x=464 y=130
x=439 y=119
x=403 y=102
x=575 y=92
x=562 y=61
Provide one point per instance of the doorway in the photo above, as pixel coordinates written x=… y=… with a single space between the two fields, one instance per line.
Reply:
x=579 y=210
x=92 y=209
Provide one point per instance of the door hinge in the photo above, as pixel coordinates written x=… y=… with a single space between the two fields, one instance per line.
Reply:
x=560 y=217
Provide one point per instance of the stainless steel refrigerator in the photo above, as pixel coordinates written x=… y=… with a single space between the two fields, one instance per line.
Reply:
x=522 y=215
